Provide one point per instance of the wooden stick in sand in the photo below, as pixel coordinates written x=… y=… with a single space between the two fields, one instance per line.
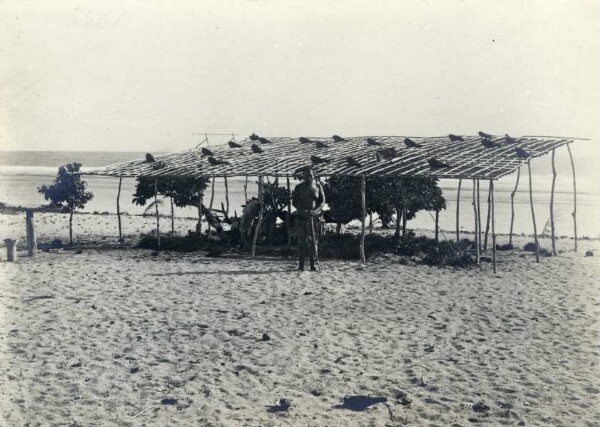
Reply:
x=364 y=214
x=553 y=231
x=288 y=218
x=487 y=223
x=119 y=208
x=458 y=211
x=476 y=216
x=512 y=207
x=493 y=225
x=260 y=214
x=156 y=207
x=574 y=214
x=537 y=247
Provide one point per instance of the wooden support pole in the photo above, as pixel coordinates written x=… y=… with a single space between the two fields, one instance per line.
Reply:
x=172 y=217
x=11 y=249
x=552 y=229
x=437 y=226
x=288 y=218
x=512 y=207
x=370 y=222
x=119 y=208
x=479 y=215
x=458 y=211
x=226 y=196
x=157 y=215
x=477 y=236
x=246 y=190
x=535 y=236
x=493 y=225
x=364 y=215
x=574 y=214
x=212 y=192
x=487 y=222
x=260 y=214
x=30 y=227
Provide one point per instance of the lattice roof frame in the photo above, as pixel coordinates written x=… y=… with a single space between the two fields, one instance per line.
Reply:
x=285 y=156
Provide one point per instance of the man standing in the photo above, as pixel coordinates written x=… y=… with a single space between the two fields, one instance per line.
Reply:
x=308 y=199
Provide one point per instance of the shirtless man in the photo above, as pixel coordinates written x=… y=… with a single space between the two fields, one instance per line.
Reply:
x=308 y=199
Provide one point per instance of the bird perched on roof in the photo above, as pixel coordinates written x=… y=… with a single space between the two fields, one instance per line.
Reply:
x=149 y=158
x=216 y=162
x=455 y=138
x=338 y=138
x=509 y=139
x=436 y=164
x=410 y=143
x=254 y=137
x=304 y=140
x=256 y=148
x=264 y=140
x=206 y=151
x=371 y=141
x=353 y=162
x=385 y=154
x=522 y=154
x=234 y=144
x=158 y=165
x=321 y=144
x=318 y=160
x=487 y=143
x=484 y=135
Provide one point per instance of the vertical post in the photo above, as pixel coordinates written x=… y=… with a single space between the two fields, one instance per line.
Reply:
x=487 y=223
x=370 y=222
x=172 y=217
x=119 y=208
x=30 y=226
x=493 y=225
x=458 y=211
x=246 y=190
x=512 y=206
x=437 y=225
x=477 y=236
x=479 y=215
x=212 y=192
x=537 y=246
x=364 y=215
x=260 y=214
x=288 y=217
x=226 y=196
x=11 y=249
x=157 y=216
x=553 y=231
x=574 y=214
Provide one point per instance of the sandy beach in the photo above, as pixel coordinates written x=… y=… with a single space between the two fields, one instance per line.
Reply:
x=127 y=337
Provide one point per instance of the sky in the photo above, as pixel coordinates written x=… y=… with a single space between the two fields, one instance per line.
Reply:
x=147 y=76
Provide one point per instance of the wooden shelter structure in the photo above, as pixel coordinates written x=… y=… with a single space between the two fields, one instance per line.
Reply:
x=478 y=157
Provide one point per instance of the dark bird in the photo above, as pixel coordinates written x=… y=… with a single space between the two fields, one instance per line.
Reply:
x=321 y=144
x=304 y=140
x=353 y=162
x=484 y=135
x=371 y=141
x=264 y=141
x=318 y=160
x=509 y=139
x=256 y=148
x=234 y=144
x=522 y=154
x=360 y=403
x=338 y=138
x=455 y=138
x=487 y=143
x=410 y=143
x=282 y=405
x=436 y=164
x=149 y=158
x=385 y=154
x=216 y=162
x=254 y=137
x=206 y=151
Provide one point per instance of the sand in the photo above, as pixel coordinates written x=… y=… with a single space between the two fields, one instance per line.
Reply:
x=102 y=337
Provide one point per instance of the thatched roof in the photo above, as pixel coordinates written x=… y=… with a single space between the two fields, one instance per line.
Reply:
x=473 y=158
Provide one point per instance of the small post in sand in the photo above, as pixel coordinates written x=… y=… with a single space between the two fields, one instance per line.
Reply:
x=260 y=214
x=574 y=214
x=119 y=208
x=493 y=225
x=288 y=218
x=552 y=229
x=458 y=211
x=512 y=207
x=364 y=215
x=477 y=236
x=157 y=216
x=11 y=249
x=487 y=223
x=537 y=247
x=31 y=240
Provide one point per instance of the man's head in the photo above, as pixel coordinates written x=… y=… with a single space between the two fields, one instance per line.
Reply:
x=308 y=175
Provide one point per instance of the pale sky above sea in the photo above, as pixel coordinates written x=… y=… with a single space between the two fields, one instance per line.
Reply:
x=145 y=76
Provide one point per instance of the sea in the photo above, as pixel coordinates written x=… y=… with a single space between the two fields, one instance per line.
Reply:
x=22 y=172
